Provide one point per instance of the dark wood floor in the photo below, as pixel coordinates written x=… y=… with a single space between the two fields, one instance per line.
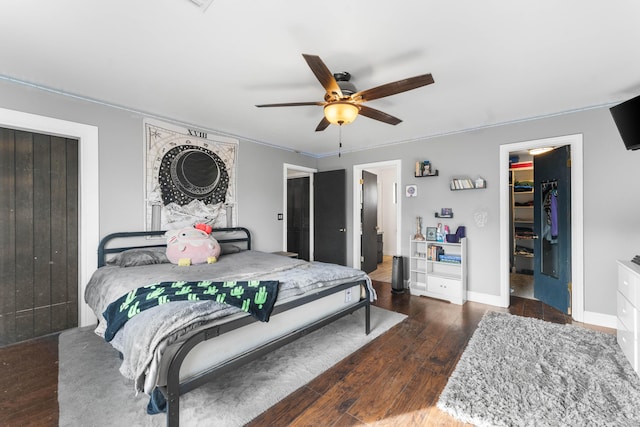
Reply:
x=29 y=383
x=394 y=380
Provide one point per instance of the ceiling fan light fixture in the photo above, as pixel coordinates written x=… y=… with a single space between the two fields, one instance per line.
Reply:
x=341 y=112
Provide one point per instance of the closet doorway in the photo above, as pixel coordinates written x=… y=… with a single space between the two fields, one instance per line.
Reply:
x=521 y=213
x=298 y=219
x=508 y=212
x=314 y=214
x=88 y=197
x=540 y=185
x=298 y=216
x=39 y=231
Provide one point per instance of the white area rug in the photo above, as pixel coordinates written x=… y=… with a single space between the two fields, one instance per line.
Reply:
x=91 y=391
x=518 y=371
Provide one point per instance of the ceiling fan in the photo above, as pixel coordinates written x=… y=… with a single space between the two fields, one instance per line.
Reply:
x=342 y=104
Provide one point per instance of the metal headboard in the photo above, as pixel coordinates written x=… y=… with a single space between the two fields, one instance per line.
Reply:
x=238 y=235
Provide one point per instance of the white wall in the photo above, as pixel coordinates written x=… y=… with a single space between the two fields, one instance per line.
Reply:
x=611 y=200
x=121 y=163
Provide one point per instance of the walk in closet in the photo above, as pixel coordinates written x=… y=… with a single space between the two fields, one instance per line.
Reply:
x=522 y=231
x=522 y=217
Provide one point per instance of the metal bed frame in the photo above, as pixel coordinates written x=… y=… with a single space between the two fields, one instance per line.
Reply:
x=174 y=388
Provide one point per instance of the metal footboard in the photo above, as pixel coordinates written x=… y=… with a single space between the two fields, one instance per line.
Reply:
x=174 y=389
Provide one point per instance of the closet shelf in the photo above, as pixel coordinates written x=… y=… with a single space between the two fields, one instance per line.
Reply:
x=522 y=212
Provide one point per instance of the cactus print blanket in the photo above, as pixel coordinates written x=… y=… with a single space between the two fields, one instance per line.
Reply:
x=255 y=297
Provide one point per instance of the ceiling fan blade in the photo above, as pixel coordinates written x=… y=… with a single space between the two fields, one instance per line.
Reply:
x=292 y=104
x=372 y=113
x=323 y=74
x=324 y=123
x=393 y=88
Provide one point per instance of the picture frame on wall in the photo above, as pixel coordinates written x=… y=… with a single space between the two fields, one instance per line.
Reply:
x=431 y=233
x=411 y=190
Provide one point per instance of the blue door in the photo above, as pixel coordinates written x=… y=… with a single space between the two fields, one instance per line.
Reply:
x=552 y=224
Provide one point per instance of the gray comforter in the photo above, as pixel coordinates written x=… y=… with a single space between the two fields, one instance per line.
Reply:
x=145 y=336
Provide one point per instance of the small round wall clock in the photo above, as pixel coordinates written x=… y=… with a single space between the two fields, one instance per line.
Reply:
x=411 y=190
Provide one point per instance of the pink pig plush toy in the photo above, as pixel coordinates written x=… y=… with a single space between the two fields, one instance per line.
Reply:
x=192 y=245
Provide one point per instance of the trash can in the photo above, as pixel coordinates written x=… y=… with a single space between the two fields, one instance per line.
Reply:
x=397 y=275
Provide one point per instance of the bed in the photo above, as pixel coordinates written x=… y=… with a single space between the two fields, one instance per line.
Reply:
x=173 y=348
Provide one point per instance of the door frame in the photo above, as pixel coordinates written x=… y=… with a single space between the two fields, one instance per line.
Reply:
x=294 y=171
x=357 y=197
x=577 y=217
x=89 y=186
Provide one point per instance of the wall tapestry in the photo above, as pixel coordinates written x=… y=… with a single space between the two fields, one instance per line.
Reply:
x=189 y=178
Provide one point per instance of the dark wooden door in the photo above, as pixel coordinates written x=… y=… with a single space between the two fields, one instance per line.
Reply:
x=369 y=219
x=330 y=216
x=38 y=235
x=298 y=216
x=552 y=223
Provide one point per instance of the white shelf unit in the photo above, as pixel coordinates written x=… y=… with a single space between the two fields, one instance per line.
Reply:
x=437 y=279
x=522 y=218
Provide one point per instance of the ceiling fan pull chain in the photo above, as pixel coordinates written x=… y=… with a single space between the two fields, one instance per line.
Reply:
x=340 y=140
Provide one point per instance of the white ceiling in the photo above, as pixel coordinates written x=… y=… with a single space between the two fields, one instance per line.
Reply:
x=493 y=61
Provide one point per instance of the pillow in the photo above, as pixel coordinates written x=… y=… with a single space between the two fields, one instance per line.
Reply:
x=229 y=248
x=139 y=256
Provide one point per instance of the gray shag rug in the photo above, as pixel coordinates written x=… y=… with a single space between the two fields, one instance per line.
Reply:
x=91 y=391
x=519 y=371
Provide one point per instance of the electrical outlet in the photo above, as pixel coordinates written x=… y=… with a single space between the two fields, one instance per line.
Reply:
x=347 y=295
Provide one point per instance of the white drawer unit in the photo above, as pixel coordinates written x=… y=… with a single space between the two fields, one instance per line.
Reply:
x=439 y=277
x=449 y=289
x=628 y=298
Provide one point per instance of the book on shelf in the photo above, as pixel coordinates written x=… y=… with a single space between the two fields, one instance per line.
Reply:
x=434 y=252
x=449 y=258
x=461 y=184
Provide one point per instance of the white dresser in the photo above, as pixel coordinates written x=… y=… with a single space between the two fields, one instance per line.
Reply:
x=628 y=305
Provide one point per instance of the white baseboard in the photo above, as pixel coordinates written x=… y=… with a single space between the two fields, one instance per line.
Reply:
x=590 y=317
x=482 y=298
x=599 y=319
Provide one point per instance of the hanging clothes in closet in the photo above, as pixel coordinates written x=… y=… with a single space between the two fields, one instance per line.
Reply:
x=549 y=224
